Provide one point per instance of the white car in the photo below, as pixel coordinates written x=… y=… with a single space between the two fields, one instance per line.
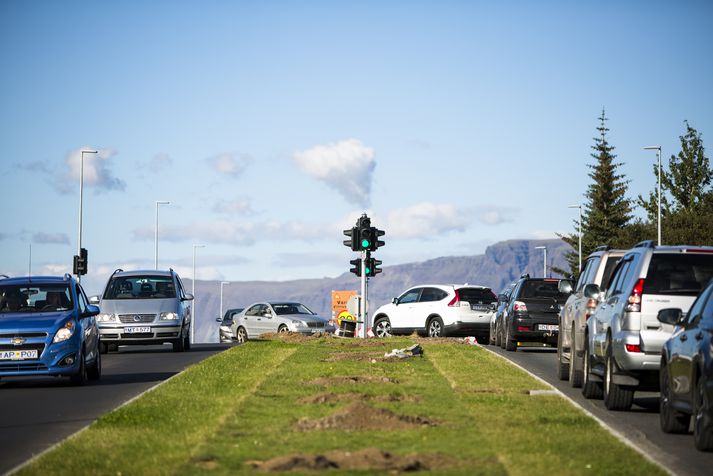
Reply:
x=278 y=316
x=438 y=310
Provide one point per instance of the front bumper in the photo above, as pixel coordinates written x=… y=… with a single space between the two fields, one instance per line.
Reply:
x=52 y=360
x=157 y=333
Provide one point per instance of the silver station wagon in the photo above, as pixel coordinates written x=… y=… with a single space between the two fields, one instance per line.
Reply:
x=278 y=316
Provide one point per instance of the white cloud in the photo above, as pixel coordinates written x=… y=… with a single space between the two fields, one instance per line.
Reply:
x=491 y=215
x=543 y=235
x=425 y=219
x=230 y=164
x=345 y=166
x=239 y=206
x=97 y=172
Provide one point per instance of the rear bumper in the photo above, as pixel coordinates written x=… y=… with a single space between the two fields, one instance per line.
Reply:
x=464 y=327
x=647 y=360
x=535 y=329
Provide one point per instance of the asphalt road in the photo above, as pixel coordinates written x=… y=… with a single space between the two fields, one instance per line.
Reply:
x=36 y=413
x=639 y=425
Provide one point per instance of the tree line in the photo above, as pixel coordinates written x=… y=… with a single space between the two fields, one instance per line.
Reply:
x=608 y=213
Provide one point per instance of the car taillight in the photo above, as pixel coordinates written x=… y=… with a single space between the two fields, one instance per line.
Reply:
x=634 y=301
x=519 y=306
x=591 y=306
x=633 y=347
x=456 y=300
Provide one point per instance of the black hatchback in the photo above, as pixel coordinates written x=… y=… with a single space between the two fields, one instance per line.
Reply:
x=533 y=312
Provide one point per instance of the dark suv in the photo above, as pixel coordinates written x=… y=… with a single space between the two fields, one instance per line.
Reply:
x=532 y=313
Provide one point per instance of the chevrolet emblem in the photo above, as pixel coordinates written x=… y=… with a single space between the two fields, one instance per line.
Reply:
x=18 y=340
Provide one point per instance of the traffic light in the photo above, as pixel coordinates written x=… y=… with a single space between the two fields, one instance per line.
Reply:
x=375 y=241
x=353 y=241
x=372 y=266
x=357 y=266
x=366 y=234
x=80 y=262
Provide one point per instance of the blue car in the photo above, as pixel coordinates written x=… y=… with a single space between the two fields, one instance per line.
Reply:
x=48 y=327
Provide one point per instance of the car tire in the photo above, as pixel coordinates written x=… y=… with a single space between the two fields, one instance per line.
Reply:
x=510 y=344
x=616 y=397
x=562 y=367
x=94 y=371
x=103 y=348
x=179 y=345
x=80 y=378
x=590 y=389
x=241 y=335
x=491 y=337
x=187 y=339
x=703 y=418
x=498 y=340
x=382 y=327
x=671 y=420
x=576 y=375
x=282 y=329
x=435 y=327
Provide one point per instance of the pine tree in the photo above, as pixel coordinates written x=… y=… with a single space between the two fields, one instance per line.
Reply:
x=607 y=210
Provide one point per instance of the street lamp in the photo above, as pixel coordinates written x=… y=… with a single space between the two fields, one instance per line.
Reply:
x=222 y=283
x=544 y=264
x=158 y=202
x=657 y=148
x=579 y=232
x=193 y=324
x=81 y=201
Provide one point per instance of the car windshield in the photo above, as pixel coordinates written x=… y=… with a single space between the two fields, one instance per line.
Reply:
x=680 y=274
x=291 y=308
x=140 y=287
x=538 y=288
x=33 y=298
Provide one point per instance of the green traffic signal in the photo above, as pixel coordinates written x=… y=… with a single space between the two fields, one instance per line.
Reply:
x=365 y=244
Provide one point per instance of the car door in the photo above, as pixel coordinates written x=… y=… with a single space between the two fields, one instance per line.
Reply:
x=429 y=303
x=612 y=305
x=270 y=320
x=252 y=320
x=88 y=324
x=404 y=310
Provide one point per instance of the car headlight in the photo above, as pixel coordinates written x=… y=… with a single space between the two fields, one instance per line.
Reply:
x=106 y=317
x=168 y=316
x=297 y=323
x=65 y=332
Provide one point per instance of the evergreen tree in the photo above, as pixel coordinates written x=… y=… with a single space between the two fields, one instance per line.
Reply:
x=607 y=210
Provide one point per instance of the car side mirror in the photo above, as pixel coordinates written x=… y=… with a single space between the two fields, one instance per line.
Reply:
x=671 y=315
x=395 y=301
x=189 y=297
x=218 y=319
x=94 y=300
x=92 y=310
x=592 y=291
x=267 y=314
x=565 y=286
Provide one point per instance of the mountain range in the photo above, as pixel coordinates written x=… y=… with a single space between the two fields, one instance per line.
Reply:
x=502 y=263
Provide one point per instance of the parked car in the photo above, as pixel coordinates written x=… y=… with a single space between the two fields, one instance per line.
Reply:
x=437 y=311
x=532 y=313
x=278 y=316
x=686 y=374
x=624 y=338
x=144 y=307
x=597 y=269
x=48 y=327
x=225 y=331
x=497 y=317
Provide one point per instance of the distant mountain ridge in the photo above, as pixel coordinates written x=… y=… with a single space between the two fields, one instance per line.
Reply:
x=501 y=263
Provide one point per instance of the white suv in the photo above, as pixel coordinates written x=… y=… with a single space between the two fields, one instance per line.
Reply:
x=624 y=337
x=438 y=310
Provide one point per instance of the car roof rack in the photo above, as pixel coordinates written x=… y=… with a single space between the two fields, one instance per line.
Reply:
x=4 y=276
x=525 y=276
x=67 y=276
x=645 y=244
x=601 y=248
x=117 y=270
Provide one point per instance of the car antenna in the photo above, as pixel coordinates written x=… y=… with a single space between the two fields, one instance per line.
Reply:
x=29 y=265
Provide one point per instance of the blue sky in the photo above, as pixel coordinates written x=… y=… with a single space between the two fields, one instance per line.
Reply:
x=271 y=126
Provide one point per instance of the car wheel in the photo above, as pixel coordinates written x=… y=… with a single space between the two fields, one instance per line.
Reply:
x=703 y=418
x=491 y=337
x=671 y=420
x=80 y=378
x=562 y=366
x=94 y=371
x=103 y=348
x=242 y=335
x=510 y=344
x=179 y=345
x=187 y=340
x=616 y=397
x=282 y=329
x=575 y=370
x=382 y=327
x=435 y=327
x=498 y=340
x=590 y=389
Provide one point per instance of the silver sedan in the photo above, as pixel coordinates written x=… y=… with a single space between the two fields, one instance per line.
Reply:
x=278 y=316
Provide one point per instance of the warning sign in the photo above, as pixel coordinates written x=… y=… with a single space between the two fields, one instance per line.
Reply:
x=339 y=306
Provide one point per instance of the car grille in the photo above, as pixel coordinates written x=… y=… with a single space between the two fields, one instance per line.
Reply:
x=143 y=335
x=21 y=366
x=26 y=335
x=132 y=318
x=315 y=324
x=40 y=347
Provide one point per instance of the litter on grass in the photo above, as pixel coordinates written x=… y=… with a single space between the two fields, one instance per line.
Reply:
x=415 y=349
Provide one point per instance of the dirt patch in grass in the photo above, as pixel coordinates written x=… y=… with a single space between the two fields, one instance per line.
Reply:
x=296 y=337
x=360 y=417
x=368 y=459
x=207 y=463
x=354 y=356
x=351 y=379
x=329 y=397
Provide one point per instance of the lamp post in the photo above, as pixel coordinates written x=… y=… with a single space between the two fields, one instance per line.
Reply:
x=81 y=201
x=544 y=264
x=158 y=202
x=195 y=316
x=657 y=148
x=222 y=283
x=579 y=232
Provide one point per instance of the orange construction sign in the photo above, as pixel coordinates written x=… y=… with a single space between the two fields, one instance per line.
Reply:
x=339 y=306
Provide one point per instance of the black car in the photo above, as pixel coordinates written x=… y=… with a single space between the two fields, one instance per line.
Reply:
x=496 y=323
x=225 y=332
x=686 y=375
x=532 y=312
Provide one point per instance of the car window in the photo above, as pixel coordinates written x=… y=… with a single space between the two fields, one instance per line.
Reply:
x=35 y=298
x=140 y=287
x=682 y=274
x=432 y=294
x=410 y=296
x=611 y=262
x=81 y=300
x=537 y=288
x=707 y=318
x=586 y=276
x=617 y=281
x=253 y=310
x=181 y=288
x=290 y=308
x=477 y=295
x=696 y=313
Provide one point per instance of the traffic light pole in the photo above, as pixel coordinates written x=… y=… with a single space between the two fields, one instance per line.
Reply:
x=362 y=310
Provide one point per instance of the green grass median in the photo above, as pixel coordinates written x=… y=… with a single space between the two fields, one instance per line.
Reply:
x=325 y=405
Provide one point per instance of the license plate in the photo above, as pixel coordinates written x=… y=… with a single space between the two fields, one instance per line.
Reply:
x=548 y=327
x=480 y=307
x=18 y=354
x=136 y=330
